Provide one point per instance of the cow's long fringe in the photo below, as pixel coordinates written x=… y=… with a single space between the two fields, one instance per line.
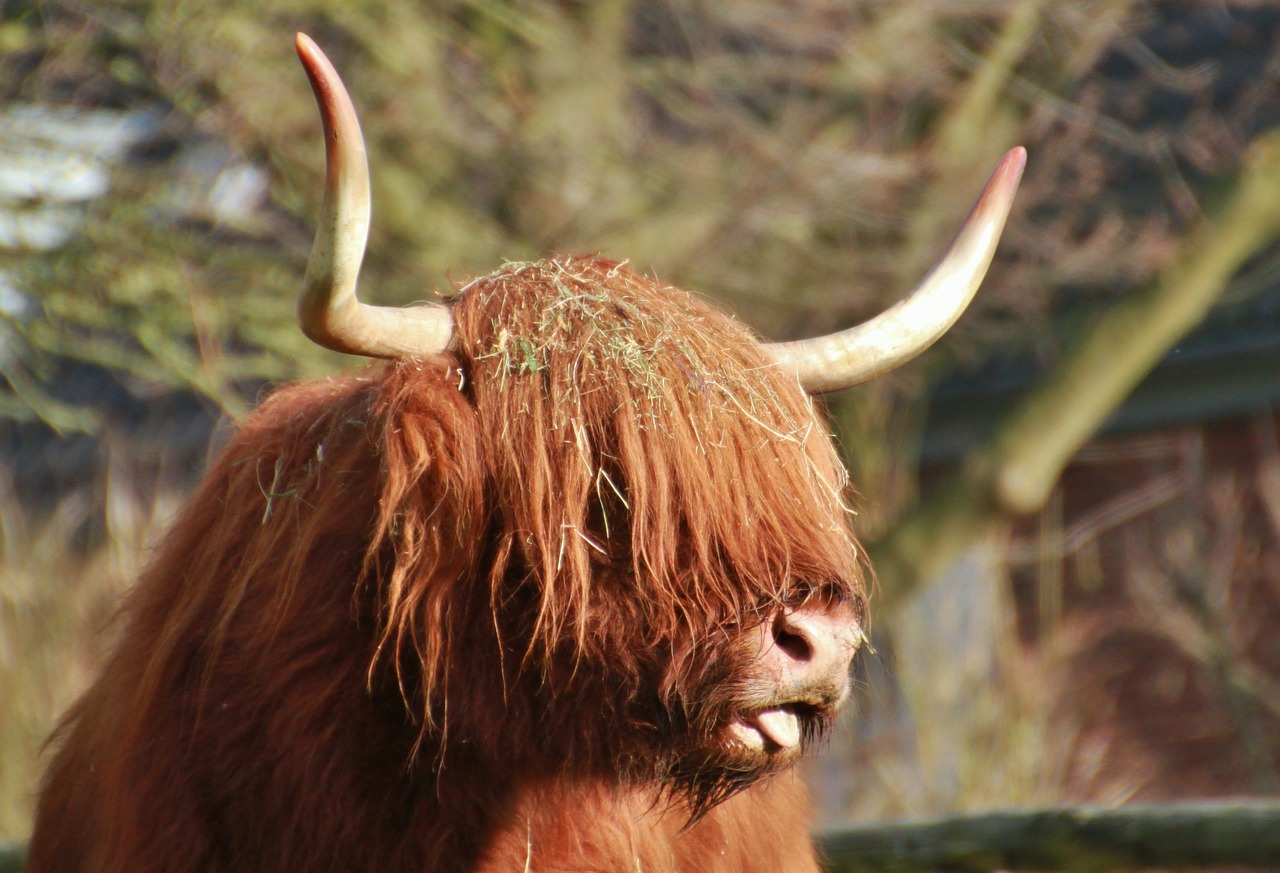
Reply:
x=667 y=453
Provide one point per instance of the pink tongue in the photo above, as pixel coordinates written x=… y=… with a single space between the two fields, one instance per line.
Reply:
x=779 y=725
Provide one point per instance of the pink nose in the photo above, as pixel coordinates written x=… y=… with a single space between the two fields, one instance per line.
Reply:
x=812 y=648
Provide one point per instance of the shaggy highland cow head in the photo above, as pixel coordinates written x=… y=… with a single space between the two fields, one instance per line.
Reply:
x=656 y=579
x=671 y=556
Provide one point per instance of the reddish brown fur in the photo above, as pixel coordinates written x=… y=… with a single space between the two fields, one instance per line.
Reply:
x=471 y=610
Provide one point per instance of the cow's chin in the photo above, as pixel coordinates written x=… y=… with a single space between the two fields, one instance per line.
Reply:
x=764 y=740
x=772 y=732
x=773 y=737
x=747 y=748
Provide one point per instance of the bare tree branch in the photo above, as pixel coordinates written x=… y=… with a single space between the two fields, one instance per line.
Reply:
x=1019 y=468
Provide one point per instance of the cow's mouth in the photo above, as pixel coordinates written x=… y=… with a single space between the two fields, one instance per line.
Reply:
x=773 y=729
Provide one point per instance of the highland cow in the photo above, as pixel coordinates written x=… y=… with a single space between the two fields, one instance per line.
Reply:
x=566 y=584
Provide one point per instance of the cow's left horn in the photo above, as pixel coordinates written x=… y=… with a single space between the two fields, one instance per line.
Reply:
x=898 y=334
x=328 y=310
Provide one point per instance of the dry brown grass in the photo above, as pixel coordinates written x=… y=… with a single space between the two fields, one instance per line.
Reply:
x=56 y=603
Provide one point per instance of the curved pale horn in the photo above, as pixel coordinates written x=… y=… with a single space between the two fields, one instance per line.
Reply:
x=903 y=331
x=328 y=310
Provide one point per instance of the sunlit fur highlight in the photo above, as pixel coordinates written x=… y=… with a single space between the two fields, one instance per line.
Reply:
x=402 y=604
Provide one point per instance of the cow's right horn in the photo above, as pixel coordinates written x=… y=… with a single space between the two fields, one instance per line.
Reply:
x=328 y=310
x=903 y=331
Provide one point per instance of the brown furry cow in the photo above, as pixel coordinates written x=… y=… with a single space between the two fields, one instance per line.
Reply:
x=565 y=586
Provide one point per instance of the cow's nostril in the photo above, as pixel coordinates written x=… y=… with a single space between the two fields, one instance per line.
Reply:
x=792 y=641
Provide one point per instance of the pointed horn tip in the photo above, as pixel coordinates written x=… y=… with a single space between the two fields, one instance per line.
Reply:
x=306 y=48
x=1008 y=173
x=997 y=195
x=305 y=45
x=314 y=61
x=312 y=58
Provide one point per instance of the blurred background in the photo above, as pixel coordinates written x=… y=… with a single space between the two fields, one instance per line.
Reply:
x=1073 y=503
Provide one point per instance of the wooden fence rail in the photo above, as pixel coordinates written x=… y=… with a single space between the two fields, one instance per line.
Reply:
x=1067 y=840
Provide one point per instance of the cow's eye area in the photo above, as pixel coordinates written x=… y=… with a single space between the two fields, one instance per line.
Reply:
x=820 y=595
